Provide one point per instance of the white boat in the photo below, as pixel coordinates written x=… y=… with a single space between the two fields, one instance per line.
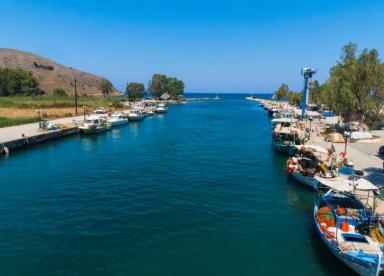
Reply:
x=161 y=108
x=136 y=115
x=349 y=230
x=101 y=110
x=273 y=109
x=304 y=179
x=117 y=119
x=217 y=97
x=93 y=124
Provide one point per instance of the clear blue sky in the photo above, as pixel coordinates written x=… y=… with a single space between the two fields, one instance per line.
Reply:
x=214 y=46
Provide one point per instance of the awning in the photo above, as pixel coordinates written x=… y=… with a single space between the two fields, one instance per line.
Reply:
x=284 y=120
x=344 y=185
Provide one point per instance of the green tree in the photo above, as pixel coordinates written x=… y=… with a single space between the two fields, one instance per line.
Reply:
x=282 y=92
x=135 y=91
x=356 y=85
x=314 y=92
x=175 y=87
x=295 y=97
x=159 y=85
x=106 y=87
x=18 y=82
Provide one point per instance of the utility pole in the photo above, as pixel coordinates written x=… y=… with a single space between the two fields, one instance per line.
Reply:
x=75 y=96
x=84 y=108
x=54 y=96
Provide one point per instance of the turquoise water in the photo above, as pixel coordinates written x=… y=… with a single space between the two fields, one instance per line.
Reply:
x=197 y=191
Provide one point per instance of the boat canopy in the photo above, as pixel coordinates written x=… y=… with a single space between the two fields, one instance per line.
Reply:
x=93 y=117
x=344 y=185
x=311 y=148
x=291 y=131
x=284 y=120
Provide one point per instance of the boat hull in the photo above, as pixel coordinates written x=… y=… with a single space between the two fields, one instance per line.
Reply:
x=136 y=118
x=118 y=123
x=160 y=111
x=93 y=130
x=285 y=149
x=306 y=180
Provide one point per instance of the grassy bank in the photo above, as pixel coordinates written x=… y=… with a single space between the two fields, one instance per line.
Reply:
x=22 y=110
x=58 y=102
x=5 y=122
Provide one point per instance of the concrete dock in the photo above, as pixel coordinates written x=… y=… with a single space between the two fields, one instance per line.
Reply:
x=21 y=136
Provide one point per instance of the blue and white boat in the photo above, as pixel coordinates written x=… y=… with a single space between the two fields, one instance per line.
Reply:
x=346 y=226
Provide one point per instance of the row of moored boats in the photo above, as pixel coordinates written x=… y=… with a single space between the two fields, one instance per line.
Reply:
x=348 y=213
x=101 y=120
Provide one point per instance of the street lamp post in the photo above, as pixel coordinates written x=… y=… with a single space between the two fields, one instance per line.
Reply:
x=75 y=96
x=84 y=109
x=54 y=97
x=346 y=136
x=38 y=111
x=310 y=126
x=75 y=89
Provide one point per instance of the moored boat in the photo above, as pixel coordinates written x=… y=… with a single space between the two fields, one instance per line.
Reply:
x=272 y=109
x=117 y=119
x=307 y=162
x=101 y=110
x=136 y=115
x=161 y=108
x=348 y=228
x=93 y=124
x=286 y=134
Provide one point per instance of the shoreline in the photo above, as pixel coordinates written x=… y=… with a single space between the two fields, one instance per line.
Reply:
x=21 y=136
x=362 y=153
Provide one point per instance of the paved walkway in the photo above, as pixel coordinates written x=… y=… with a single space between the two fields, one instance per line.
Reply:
x=363 y=155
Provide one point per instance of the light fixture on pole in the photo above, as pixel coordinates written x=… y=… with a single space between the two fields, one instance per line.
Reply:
x=84 y=109
x=38 y=111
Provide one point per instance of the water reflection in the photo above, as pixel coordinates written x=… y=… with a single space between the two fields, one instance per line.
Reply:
x=134 y=128
x=91 y=141
x=116 y=133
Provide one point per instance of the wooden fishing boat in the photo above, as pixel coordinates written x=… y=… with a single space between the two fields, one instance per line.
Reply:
x=286 y=134
x=308 y=161
x=347 y=227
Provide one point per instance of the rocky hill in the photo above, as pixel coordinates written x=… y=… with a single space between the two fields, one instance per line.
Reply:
x=52 y=75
